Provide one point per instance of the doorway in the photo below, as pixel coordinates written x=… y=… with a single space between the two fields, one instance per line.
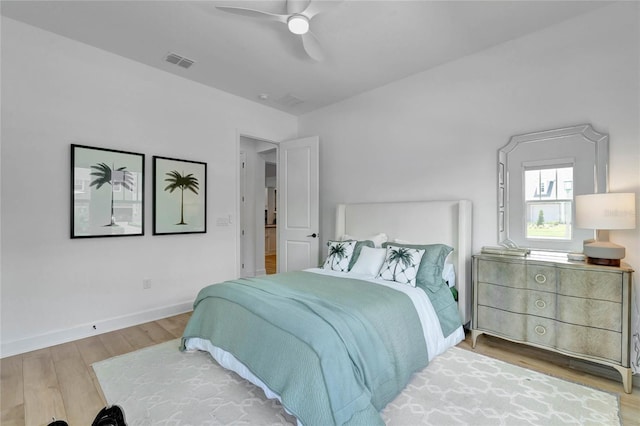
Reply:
x=271 y=216
x=258 y=214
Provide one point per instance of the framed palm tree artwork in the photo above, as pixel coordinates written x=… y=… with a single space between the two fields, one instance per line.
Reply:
x=107 y=192
x=179 y=196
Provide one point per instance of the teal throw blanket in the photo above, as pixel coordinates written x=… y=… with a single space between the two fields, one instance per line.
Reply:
x=336 y=350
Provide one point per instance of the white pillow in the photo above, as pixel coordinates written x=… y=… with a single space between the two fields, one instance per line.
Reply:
x=377 y=239
x=339 y=255
x=369 y=261
x=449 y=274
x=399 y=241
x=401 y=265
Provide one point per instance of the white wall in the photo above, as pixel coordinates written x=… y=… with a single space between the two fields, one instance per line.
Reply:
x=56 y=92
x=435 y=135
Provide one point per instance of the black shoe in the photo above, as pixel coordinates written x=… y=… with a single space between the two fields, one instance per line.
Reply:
x=109 y=416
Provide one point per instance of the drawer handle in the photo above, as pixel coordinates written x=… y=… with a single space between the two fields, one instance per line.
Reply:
x=540 y=330
x=541 y=304
x=540 y=279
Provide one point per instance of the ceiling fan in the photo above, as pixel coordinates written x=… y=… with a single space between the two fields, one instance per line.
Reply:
x=298 y=20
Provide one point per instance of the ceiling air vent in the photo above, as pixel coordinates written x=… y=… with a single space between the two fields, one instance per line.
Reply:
x=179 y=60
x=289 y=100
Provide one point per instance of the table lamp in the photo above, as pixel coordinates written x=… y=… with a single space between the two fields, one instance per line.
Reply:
x=604 y=212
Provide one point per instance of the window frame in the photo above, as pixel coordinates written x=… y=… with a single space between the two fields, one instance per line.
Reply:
x=555 y=164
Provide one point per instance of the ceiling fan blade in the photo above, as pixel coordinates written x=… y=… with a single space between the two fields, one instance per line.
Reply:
x=254 y=13
x=312 y=47
x=296 y=6
x=319 y=6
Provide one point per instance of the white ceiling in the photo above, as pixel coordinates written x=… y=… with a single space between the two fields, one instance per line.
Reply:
x=367 y=43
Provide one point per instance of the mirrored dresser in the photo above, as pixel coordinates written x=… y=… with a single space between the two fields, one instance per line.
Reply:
x=573 y=308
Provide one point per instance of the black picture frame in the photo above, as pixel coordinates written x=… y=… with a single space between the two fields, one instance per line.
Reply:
x=179 y=196
x=107 y=192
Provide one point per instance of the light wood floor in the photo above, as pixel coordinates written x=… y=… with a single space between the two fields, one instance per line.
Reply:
x=270 y=263
x=59 y=381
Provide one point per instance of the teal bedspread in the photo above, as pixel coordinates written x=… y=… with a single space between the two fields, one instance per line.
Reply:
x=336 y=350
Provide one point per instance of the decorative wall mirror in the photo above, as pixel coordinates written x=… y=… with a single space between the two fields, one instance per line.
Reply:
x=539 y=174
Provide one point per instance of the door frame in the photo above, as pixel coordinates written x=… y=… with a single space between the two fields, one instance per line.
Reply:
x=239 y=208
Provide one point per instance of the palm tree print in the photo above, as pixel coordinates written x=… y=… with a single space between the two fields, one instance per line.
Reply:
x=182 y=182
x=400 y=255
x=338 y=251
x=106 y=175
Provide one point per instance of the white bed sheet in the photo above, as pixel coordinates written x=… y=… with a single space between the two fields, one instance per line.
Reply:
x=433 y=336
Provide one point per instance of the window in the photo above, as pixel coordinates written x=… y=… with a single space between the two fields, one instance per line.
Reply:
x=548 y=202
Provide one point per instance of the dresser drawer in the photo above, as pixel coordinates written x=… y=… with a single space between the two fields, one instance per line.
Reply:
x=593 y=342
x=501 y=273
x=541 y=331
x=601 y=314
x=524 y=328
x=517 y=300
x=541 y=278
x=505 y=323
x=517 y=275
x=590 y=284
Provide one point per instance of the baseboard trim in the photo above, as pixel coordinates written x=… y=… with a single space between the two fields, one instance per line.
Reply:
x=57 y=337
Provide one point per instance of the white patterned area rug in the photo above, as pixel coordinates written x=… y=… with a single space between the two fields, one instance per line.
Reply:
x=160 y=385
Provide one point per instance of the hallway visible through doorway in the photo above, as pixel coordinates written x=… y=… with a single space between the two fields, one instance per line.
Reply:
x=270 y=262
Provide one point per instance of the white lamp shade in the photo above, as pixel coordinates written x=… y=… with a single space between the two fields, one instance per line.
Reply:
x=606 y=211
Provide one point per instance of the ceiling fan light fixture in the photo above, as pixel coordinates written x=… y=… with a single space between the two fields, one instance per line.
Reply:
x=298 y=24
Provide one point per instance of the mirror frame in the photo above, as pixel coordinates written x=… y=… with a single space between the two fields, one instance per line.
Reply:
x=600 y=144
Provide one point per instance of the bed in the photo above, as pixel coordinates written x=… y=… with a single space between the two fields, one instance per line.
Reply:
x=336 y=343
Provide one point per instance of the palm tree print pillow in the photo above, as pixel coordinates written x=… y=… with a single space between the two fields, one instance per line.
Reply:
x=339 y=255
x=430 y=271
x=401 y=265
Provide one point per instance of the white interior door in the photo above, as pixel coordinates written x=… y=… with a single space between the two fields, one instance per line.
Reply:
x=298 y=204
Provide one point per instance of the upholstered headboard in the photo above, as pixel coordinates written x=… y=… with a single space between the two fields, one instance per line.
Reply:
x=419 y=222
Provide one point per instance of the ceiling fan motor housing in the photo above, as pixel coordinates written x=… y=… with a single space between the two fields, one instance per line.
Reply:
x=298 y=24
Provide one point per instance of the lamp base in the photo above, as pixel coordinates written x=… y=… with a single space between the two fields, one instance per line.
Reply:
x=603 y=262
x=603 y=253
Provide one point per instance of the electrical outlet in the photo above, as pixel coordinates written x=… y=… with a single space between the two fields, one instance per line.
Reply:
x=146 y=283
